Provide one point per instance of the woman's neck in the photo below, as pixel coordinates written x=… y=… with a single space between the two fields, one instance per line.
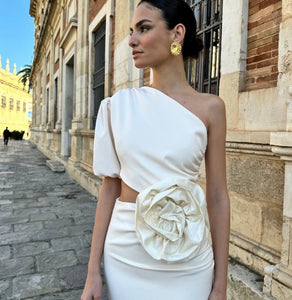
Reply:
x=169 y=77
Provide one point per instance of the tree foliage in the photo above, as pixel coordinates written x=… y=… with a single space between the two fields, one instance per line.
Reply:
x=25 y=76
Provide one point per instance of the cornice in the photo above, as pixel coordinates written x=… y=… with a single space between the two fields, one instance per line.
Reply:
x=32 y=8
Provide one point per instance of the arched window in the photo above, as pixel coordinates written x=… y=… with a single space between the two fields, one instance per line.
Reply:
x=204 y=73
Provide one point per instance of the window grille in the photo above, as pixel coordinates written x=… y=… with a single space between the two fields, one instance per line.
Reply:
x=99 y=68
x=11 y=104
x=3 y=102
x=17 y=105
x=204 y=73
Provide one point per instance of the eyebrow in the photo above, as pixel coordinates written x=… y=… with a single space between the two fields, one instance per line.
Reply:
x=138 y=24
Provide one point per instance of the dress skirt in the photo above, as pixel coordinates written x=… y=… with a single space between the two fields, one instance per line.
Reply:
x=132 y=274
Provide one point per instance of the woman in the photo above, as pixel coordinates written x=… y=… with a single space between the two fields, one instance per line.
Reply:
x=152 y=220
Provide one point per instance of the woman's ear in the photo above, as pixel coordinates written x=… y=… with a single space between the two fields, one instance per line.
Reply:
x=179 y=32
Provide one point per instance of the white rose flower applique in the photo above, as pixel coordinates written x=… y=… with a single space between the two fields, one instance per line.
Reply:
x=172 y=222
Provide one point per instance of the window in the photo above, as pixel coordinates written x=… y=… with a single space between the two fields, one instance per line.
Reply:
x=47 y=104
x=11 y=104
x=24 y=107
x=99 y=68
x=56 y=101
x=3 y=102
x=204 y=73
x=17 y=105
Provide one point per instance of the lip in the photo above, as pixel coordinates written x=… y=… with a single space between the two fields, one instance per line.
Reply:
x=136 y=53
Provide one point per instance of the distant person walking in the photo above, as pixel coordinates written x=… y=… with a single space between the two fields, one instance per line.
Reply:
x=6 y=135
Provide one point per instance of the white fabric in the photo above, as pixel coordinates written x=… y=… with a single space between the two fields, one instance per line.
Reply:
x=132 y=274
x=143 y=136
x=172 y=220
x=105 y=160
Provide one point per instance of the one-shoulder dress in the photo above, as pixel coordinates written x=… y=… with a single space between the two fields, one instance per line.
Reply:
x=159 y=247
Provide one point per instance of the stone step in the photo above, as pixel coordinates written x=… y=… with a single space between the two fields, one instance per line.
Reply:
x=243 y=284
x=55 y=166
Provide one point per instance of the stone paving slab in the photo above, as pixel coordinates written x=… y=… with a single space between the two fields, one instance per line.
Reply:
x=46 y=222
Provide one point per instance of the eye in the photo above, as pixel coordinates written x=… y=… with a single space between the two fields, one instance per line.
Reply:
x=144 y=28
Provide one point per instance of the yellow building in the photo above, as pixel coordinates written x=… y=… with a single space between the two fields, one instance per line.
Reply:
x=16 y=102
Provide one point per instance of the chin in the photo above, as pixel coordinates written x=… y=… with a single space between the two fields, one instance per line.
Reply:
x=140 y=65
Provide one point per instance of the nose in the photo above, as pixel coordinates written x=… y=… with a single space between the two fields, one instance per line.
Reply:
x=133 y=40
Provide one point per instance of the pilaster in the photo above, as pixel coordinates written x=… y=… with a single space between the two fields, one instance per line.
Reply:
x=278 y=278
x=285 y=60
x=233 y=56
x=81 y=81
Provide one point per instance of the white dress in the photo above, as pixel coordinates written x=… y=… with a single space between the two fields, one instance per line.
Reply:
x=159 y=247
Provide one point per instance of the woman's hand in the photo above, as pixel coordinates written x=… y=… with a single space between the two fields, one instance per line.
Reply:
x=216 y=295
x=93 y=288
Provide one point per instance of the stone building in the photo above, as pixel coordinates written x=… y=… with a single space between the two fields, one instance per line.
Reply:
x=81 y=56
x=16 y=102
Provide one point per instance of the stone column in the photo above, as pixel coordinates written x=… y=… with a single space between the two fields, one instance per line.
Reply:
x=81 y=65
x=125 y=73
x=285 y=59
x=233 y=56
x=278 y=278
x=81 y=103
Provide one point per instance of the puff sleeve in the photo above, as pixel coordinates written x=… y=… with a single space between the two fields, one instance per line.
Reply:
x=105 y=160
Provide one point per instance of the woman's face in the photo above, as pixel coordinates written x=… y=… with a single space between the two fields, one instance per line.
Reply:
x=150 y=39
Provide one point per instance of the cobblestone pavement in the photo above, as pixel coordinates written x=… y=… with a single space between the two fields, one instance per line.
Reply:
x=46 y=222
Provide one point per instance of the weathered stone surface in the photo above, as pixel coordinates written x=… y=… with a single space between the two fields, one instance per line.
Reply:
x=58 y=223
x=83 y=255
x=4 y=252
x=28 y=249
x=48 y=234
x=4 y=287
x=16 y=267
x=73 y=277
x=14 y=237
x=244 y=284
x=74 y=295
x=68 y=243
x=55 y=261
x=79 y=229
x=246 y=217
x=43 y=217
x=31 y=226
x=245 y=170
x=26 y=212
x=272 y=227
x=5 y=229
x=4 y=214
x=13 y=220
x=85 y=220
x=55 y=166
x=36 y=284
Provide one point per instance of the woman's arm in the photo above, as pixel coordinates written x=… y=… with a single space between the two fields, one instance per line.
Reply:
x=217 y=195
x=109 y=191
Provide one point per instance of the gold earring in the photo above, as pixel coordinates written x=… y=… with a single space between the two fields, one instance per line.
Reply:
x=175 y=48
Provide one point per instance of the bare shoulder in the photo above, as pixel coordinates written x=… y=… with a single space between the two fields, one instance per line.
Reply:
x=213 y=102
x=213 y=108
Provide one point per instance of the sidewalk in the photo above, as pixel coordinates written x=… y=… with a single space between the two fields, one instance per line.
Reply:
x=46 y=222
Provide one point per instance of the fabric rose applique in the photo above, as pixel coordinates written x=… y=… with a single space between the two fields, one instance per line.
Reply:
x=171 y=220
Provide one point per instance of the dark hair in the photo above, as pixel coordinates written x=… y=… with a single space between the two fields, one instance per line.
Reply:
x=175 y=12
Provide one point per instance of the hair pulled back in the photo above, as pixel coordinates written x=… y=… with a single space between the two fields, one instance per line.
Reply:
x=175 y=12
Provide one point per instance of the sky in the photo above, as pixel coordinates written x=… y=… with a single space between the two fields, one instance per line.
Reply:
x=16 y=33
